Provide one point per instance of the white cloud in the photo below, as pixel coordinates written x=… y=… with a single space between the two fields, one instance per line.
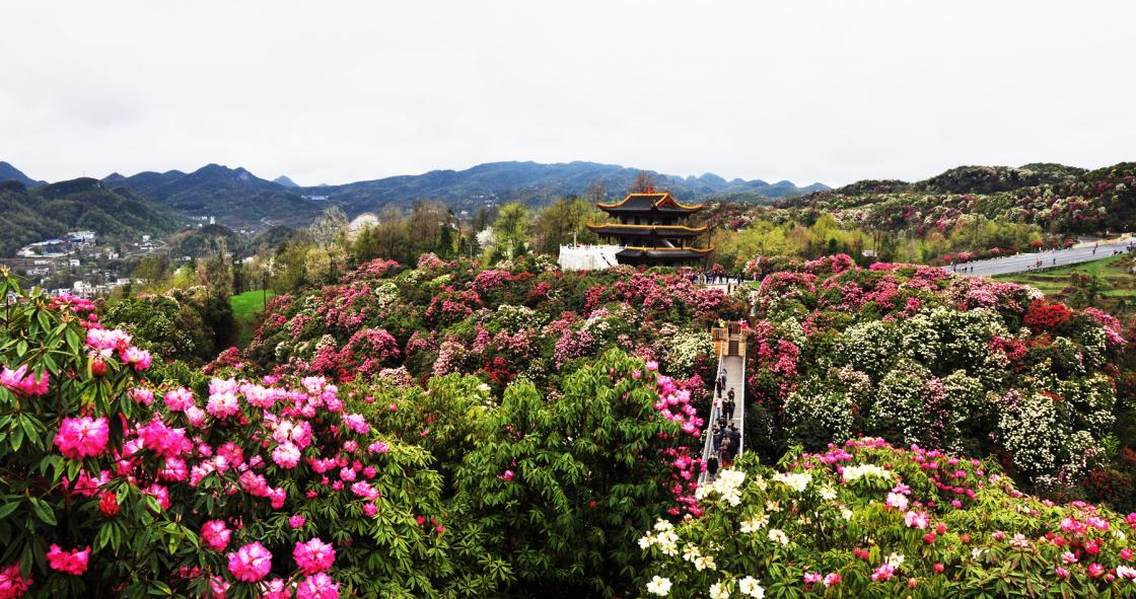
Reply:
x=332 y=92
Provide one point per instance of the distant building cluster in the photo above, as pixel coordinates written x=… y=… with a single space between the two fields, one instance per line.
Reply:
x=77 y=263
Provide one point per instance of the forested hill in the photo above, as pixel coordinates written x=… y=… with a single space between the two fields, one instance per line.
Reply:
x=1062 y=199
x=29 y=215
x=230 y=195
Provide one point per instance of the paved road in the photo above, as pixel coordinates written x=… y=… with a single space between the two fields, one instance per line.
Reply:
x=1049 y=259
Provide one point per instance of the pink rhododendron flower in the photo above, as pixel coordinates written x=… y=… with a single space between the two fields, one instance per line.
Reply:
x=20 y=381
x=915 y=519
x=277 y=588
x=222 y=405
x=276 y=497
x=161 y=494
x=142 y=395
x=357 y=423
x=216 y=535
x=12 y=584
x=82 y=437
x=108 y=339
x=195 y=416
x=314 y=556
x=318 y=586
x=297 y=521
x=69 y=562
x=364 y=489
x=178 y=400
x=138 y=358
x=897 y=501
x=163 y=440
x=286 y=455
x=883 y=573
x=832 y=579
x=370 y=509
x=250 y=563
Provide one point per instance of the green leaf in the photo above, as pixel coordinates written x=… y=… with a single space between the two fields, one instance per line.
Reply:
x=8 y=508
x=43 y=511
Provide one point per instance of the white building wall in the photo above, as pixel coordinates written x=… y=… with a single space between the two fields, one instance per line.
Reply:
x=588 y=257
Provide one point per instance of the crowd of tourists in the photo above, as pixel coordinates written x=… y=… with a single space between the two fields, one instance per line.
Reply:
x=726 y=438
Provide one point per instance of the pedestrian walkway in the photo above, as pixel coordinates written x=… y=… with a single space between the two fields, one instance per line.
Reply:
x=1042 y=259
x=729 y=343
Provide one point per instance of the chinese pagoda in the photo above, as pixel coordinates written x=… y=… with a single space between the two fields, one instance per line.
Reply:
x=651 y=232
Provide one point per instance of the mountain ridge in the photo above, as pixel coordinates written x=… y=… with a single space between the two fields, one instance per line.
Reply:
x=11 y=173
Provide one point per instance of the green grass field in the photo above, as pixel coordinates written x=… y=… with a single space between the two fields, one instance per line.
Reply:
x=1117 y=284
x=247 y=308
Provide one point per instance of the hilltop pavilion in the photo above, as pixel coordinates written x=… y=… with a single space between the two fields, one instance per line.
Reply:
x=651 y=230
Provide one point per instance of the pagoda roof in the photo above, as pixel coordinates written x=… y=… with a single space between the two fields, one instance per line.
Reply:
x=641 y=230
x=650 y=202
x=633 y=253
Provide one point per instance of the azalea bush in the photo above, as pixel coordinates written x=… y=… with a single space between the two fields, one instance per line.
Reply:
x=111 y=484
x=518 y=319
x=864 y=519
x=916 y=355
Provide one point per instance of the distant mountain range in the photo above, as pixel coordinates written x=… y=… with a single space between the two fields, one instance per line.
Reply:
x=237 y=198
x=46 y=211
x=536 y=183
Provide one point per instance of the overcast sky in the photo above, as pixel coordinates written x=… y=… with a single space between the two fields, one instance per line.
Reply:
x=342 y=91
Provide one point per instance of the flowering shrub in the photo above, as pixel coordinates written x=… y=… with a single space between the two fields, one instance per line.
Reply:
x=867 y=520
x=113 y=480
x=498 y=323
x=916 y=355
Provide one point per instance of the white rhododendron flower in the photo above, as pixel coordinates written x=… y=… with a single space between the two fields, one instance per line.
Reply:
x=749 y=586
x=719 y=590
x=852 y=473
x=755 y=523
x=691 y=553
x=776 y=534
x=706 y=562
x=659 y=586
x=796 y=480
x=827 y=493
x=727 y=486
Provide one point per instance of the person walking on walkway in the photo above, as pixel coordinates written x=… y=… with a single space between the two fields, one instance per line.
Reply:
x=712 y=468
x=717 y=436
x=725 y=454
x=735 y=438
x=729 y=405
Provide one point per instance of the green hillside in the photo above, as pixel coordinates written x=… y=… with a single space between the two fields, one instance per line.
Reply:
x=32 y=215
